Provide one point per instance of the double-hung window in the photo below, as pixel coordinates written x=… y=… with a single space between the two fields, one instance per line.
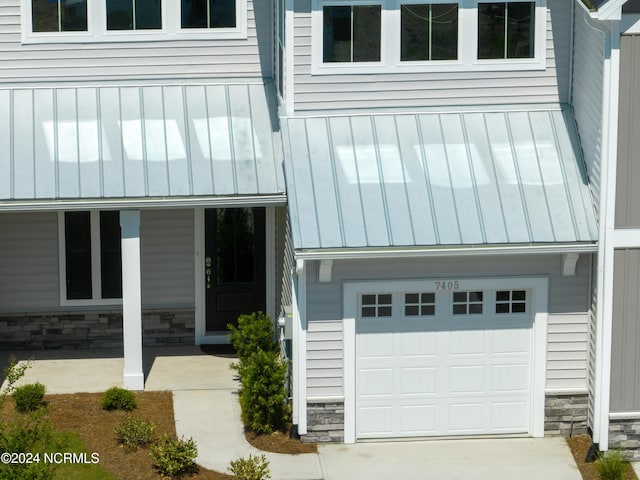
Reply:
x=90 y=257
x=384 y=36
x=66 y=21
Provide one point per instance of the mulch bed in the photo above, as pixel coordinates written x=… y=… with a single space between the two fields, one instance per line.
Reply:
x=81 y=413
x=579 y=446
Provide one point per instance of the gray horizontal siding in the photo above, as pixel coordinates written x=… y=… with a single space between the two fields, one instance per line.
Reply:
x=167 y=249
x=98 y=61
x=625 y=358
x=628 y=170
x=29 y=277
x=588 y=77
x=322 y=92
x=568 y=304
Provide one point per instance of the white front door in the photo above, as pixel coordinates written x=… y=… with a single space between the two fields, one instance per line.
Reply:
x=440 y=363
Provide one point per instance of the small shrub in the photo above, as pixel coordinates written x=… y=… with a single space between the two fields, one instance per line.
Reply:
x=612 y=466
x=133 y=432
x=252 y=468
x=117 y=398
x=13 y=372
x=254 y=332
x=29 y=433
x=263 y=395
x=174 y=457
x=29 y=397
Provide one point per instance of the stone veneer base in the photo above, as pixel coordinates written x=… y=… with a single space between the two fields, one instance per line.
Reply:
x=325 y=422
x=94 y=329
x=625 y=434
x=565 y=414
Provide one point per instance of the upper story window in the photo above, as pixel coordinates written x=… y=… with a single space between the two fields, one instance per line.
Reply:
x=351 y=33
x=365 y=36
x=134 y=14
x=506 y=30
x=428 y=32
x=67 y=21
x=208 y=14
x=59 y=15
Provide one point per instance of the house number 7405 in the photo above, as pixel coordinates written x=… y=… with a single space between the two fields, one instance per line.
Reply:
x=448 y=285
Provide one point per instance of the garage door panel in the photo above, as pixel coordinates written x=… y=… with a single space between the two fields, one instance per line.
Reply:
x=466 y=379
x=466 y=342
x=510 y=378
x=376 y=345
x=510 y=341
x=418 y=380
x=376 y=421
x=417 y=344
x=465 y=418
x=509 y=416
x=417 y=420
x=377 y=381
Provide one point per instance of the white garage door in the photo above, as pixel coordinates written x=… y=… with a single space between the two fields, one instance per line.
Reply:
x=443 y=363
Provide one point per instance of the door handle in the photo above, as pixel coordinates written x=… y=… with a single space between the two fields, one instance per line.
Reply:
x=207 y=271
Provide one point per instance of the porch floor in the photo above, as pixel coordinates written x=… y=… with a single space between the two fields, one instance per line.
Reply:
x=95 y=370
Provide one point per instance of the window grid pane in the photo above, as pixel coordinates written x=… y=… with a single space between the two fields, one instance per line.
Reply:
x=468 y=303
x=428 y=32
x=376 y=305
x=110 y=255
x=419 y=304
x=506 y=30
x=134 y=14
x=77 y=233
x=351 y=33
x=511 y=301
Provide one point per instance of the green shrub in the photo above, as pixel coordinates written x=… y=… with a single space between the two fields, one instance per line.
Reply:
x=174 y=457
x=254 y=332
x=117 y=398
x=26 y=434
x=263 y=394
x=252 y=468
x=612 y=466
x=133 y=432
x=29 y=397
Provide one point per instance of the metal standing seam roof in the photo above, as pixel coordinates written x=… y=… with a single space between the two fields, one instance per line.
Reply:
x=436 y=179
x=122 y=142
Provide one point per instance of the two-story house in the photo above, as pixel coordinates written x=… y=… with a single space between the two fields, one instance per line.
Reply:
x=445 y=165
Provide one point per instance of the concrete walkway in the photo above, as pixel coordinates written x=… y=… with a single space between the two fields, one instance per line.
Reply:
x=206 y=408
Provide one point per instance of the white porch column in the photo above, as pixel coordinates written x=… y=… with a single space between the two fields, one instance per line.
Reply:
x=131 y=299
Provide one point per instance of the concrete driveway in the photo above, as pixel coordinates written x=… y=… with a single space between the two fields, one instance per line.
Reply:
x=477 y=459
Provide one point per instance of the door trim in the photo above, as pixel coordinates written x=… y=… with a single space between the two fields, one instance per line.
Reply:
x=539 y=304
x=201 y=337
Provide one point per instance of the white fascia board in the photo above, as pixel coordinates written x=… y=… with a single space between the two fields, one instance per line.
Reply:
x=137 y=203
x=612 y=10
x=392 y=252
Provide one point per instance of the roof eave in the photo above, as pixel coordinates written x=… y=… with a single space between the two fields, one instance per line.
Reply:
x=444 y=251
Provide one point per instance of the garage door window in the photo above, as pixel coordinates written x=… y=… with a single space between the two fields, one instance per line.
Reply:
x=419 y=304
x=376 y=305
x=511 y=301
x=467 y=303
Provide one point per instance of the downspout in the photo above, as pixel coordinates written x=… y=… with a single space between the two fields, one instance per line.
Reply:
x=609 y=123
x=299 y=347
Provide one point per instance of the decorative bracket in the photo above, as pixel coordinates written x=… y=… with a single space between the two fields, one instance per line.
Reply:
x=324 y=271
x=569 y=261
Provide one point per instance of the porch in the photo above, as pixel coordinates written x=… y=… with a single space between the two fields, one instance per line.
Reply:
x=95 y=370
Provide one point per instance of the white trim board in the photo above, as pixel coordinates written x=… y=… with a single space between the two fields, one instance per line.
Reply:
x=539 y=303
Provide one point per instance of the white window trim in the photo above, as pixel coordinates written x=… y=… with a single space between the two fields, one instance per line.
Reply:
x=97 y=27
x=96 y=279
x=390 y=42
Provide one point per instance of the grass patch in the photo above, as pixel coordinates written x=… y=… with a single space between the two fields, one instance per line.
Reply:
x=71 y=442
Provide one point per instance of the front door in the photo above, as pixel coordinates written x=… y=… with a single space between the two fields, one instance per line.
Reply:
x=234 y=264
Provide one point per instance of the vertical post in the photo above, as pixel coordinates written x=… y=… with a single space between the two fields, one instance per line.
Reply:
x=131 y=299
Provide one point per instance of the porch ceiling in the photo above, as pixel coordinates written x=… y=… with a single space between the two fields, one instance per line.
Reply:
x=436 y=179
x=144 y=142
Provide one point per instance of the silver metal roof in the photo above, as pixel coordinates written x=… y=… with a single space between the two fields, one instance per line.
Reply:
x=436 y=179
x=123 y=142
